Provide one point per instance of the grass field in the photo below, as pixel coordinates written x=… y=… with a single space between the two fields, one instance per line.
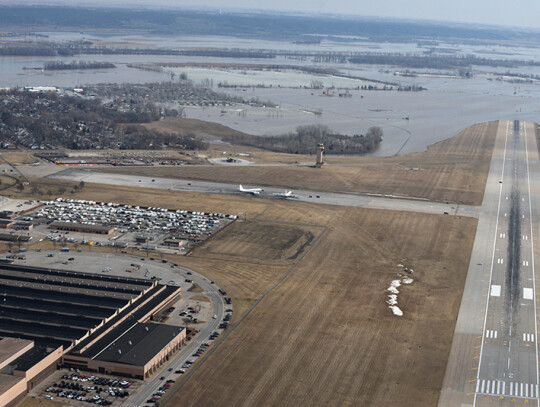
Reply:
x=18 y=158
x=452 y=170
x=325 y=336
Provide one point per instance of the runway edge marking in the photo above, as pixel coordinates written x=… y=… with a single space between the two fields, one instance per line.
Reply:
x=532 y=249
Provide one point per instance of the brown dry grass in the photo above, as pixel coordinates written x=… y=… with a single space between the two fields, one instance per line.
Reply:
x=207 y=130
x=453 y=170
x=259 y=241
x=39 y=402
x=18 y=158
x=325 y=335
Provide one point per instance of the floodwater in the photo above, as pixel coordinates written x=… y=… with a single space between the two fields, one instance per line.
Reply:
x=411 y=120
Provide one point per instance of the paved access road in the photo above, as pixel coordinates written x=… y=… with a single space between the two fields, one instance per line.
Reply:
x=218 y=305
x=494 y=355
x=398 y=203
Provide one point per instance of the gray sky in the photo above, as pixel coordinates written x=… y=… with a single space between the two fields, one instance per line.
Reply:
x=518 y=13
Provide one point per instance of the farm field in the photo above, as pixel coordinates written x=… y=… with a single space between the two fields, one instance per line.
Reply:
x=452 y=170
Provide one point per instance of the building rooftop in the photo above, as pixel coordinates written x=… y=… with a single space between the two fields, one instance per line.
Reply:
x=29 y=359
x=11 y=237
x=55 y=307
x=58 y=224
x=139 y=344
x=8 y=381
x=11 y=346
x=136 y=315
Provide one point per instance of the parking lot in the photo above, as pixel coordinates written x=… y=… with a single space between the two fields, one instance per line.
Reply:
x=152 y=228
x=76 y=388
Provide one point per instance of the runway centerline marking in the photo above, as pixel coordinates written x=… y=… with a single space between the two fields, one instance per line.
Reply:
x=492 y=258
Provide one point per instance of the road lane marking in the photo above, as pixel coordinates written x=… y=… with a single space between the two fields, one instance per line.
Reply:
x=495 y=290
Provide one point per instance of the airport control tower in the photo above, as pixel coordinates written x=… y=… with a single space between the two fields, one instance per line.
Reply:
x=320 y=150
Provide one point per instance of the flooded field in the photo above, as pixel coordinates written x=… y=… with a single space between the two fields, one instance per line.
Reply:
x=411 y=120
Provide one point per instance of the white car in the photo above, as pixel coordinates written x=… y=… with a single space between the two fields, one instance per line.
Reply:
x=215 y=316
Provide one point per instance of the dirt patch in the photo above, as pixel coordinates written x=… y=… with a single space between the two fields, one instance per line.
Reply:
x=195 y=288
x=207 y=130
x=453 y=170
x=199 y=298
x=19 y=158
x=260 y=241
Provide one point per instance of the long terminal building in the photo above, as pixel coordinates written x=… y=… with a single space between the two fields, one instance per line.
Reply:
x=51 y=318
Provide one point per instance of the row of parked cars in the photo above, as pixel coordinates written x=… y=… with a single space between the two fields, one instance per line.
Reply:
x=161 y=391
x=99 y=400
x=102 y=381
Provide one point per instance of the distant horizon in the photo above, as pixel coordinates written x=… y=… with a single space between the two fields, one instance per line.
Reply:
x=234 y=7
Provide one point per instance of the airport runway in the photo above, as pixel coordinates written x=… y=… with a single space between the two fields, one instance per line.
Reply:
x=397 y=203
x=494 y=354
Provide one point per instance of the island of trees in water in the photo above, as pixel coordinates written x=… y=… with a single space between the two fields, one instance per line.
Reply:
x=76 y=65
x=305 y=139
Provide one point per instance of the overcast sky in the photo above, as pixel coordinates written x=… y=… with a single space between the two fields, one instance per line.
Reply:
x=518 y=13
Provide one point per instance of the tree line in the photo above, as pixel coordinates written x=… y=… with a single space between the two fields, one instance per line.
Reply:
x=306 y=138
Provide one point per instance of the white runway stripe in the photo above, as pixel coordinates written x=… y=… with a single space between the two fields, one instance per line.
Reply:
x=491 y=334
x=499 y=388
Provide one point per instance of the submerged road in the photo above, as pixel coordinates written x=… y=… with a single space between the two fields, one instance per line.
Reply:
x=494 y=354
x=398 y=203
